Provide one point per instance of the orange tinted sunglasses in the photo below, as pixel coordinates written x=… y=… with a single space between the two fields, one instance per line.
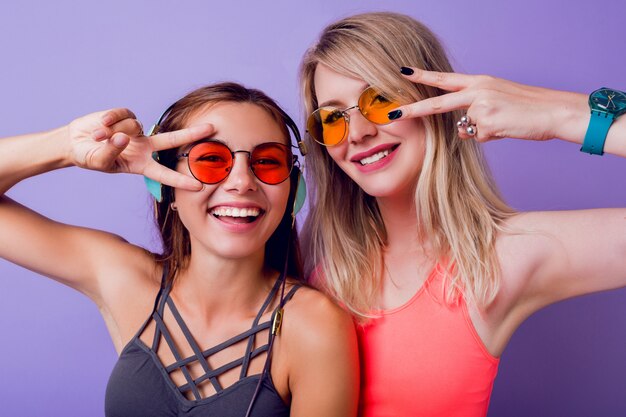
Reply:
x=328 y=125
x=210 y=161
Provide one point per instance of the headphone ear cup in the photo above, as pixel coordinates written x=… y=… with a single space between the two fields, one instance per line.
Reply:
x=300 y=191
x=155 y=188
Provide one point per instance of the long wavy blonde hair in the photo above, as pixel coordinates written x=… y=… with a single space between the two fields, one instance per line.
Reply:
x=459 y=208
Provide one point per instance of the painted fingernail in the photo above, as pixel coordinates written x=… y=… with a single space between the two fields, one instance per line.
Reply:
x=406 y=71
x=395 y=114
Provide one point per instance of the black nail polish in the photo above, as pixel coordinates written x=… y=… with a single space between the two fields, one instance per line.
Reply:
x=395 y=114
x=406 y=71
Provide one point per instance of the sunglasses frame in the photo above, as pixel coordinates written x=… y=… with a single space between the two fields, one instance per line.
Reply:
x=346 y=116
x=156 y=188
x=293 y=160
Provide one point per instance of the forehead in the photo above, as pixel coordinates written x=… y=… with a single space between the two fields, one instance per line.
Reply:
x=335 y=89
x=240 y=124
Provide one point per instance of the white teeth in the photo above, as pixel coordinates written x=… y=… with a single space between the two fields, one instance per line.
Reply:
x=373 y=158
x=236 y=211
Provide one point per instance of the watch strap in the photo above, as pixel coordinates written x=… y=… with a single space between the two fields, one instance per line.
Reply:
x=596 y=132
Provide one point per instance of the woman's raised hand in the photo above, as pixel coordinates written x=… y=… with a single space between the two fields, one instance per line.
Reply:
x=114 y=141
x=500 y=108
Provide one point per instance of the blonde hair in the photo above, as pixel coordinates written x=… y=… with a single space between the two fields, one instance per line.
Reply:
x=459 y=209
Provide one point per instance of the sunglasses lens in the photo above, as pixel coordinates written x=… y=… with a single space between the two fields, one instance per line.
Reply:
x=210 y=162
x=327 y=126
x=271 y=162
x=374 y=106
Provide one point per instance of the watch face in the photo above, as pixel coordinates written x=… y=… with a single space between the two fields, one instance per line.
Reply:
x=608 y=100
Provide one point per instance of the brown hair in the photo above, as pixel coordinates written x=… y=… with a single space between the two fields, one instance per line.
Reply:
x=174 y=236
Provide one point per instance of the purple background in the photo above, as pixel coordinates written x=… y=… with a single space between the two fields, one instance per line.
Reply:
x=61 y=59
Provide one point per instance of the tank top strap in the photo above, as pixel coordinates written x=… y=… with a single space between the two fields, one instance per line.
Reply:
x=276 y=312
x=156 y=302
x=273 y=333
x=256 y=327
x=159 y=306
x=198 y=354
x=291 y=293
x=159 y=301
x=268 y=300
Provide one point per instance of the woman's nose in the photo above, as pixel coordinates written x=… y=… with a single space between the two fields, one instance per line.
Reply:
x=359 y=128
x=241 y=178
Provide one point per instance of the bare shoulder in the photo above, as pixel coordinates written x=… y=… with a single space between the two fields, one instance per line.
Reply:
x=554 y=221
x=532 y=238
x=121 y=265
x=127 y=269
x=128 y=288
x=529 y=223
x=554 y=248
x=522 y=247
x=525 y=241
x=548 y=256
x=313 y=319
x=321 y=351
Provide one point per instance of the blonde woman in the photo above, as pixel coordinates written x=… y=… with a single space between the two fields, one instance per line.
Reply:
x=407 y=229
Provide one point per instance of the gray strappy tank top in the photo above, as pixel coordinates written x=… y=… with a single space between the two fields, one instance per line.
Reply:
x=141 y=385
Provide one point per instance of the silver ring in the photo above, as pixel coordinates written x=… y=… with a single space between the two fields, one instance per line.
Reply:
x=471 y=130
x=464 y=121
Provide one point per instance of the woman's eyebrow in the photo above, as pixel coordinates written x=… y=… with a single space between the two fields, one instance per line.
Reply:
x=185 y=148
x=332 y=102
x=338 y=103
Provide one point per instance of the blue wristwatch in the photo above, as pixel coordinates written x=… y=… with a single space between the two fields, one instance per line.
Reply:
x=606 y=105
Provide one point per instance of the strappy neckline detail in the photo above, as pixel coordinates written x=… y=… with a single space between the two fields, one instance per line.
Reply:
x=201 y=356
x=161 y=332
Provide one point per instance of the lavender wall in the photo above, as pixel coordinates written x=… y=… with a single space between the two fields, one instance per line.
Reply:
x=60 y=59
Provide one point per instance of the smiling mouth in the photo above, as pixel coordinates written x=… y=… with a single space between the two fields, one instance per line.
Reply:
x=236 y=214
x=377 y=156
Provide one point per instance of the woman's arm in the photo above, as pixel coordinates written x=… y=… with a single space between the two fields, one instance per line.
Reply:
x=323 y=357
x=72 y=255
x=573 y=253
x=505 y=109
x=550 y=256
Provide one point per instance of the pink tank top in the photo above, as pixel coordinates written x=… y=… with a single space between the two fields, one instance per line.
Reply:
x=425 y=359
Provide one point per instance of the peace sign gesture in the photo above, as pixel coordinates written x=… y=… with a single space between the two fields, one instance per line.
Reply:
x=113 y=141
x=499 y=108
